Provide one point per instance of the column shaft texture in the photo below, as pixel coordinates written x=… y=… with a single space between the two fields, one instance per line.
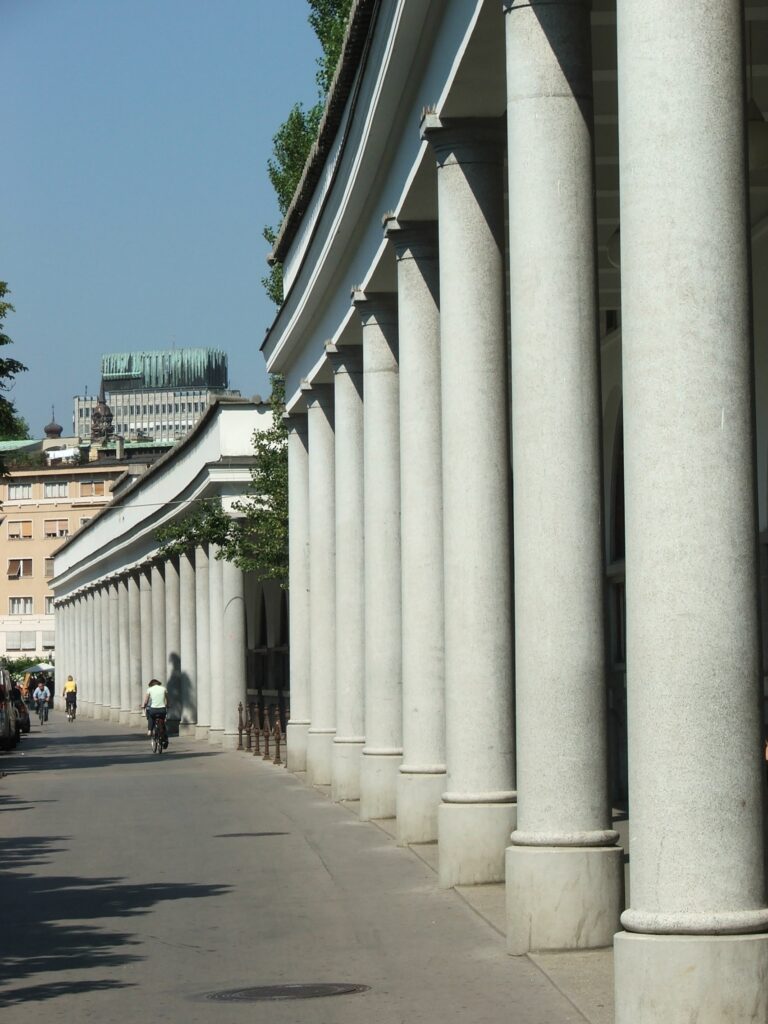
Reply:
x=187 y=639
x=173 y=639
x=233 y=631
x=134 y=646
x=97 y=652
x=298 y=558
x=478 y=809
x=562 y=792
x=693 y=660
x=215 y=626
x=114 y=652
x=202 y=644
x=159 y=666
x=124 y=640
x=89 y=649
x=106 y=651
x=383 y=748
x=322 y=586
x=145 y=599
x=350 y=574
x=423 y=772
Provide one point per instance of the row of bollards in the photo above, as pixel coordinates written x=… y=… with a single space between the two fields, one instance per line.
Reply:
x=250 y=726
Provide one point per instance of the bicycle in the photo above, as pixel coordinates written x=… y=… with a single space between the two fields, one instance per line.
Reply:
x=42 y=711
x=71 y=711
x=158 y=735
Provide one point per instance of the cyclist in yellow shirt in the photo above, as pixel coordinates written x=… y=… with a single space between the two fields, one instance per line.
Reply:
x=70 y=697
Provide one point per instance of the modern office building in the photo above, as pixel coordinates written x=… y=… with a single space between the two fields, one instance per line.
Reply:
x=155 y=394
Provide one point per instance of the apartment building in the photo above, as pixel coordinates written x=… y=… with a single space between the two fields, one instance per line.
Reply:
x=41 y=506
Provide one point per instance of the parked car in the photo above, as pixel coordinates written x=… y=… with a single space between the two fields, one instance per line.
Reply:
x=22 y=717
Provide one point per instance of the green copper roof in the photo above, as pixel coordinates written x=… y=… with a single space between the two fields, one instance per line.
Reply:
x=169 y=368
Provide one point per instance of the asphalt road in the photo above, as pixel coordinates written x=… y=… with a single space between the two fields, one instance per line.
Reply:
x=134 y=887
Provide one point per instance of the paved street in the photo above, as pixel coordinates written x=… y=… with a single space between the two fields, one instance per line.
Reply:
x=133 y=887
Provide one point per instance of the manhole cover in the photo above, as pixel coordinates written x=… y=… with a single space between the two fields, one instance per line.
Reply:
x=264 y=993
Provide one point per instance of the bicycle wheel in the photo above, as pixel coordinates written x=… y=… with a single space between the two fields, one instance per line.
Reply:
x=41 y=715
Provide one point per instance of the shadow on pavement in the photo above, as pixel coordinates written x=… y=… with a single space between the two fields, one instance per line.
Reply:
x=50 y=922
x=62 y=760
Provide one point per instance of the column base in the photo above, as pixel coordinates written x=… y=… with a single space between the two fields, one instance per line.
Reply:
x=201 y=732
x=114 y=715
x=472 y=841
x=98 y=711
x=187 y=728
x=418 y=799
x=675 y=979
x=378 y=784
x=319 y=756
x=228 y=740
x=125 y=717
x=216 y=737
x=345 y=769
x=563 y=897
x=297 y=746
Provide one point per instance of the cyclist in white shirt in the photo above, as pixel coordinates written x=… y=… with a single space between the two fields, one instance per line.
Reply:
x=42 y=693
x=155 y=703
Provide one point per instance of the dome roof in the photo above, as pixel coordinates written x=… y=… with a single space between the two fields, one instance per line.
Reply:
x=53 y=429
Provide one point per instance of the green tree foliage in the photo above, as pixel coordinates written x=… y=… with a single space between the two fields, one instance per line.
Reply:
x=293 y=139
x=12 y=426
x=258 y=541
x=205 y=523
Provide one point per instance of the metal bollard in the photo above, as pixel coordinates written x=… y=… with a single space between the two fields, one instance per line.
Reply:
x=248 y=728
x=278 y=737
x=256 y=729
x=266 y=734
x=240 y=726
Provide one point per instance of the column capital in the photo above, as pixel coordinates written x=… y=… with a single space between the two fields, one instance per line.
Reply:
x=464 y=140
x=346 y=359
x=320 y=395
x=375 y=307
x=412 y=239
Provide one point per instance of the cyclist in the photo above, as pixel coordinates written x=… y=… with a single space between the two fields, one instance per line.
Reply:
x=42 y=695
x=70 y=696
x=156 y=704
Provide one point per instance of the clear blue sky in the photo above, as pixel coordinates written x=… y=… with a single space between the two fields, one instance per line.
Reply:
x=134 y=142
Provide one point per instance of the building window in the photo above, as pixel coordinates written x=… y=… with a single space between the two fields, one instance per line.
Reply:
x=20 y=530
x=92 y=489
x=19 y=568
x=49 y=608
x=56 y=489
x=17 y=492
x=24 y=641
x=20 y=606
x=48 y=568
x=49 y=639
x=56 y=527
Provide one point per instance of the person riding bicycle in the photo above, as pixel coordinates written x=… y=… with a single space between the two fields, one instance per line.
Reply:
x=42 y=695
x=70 y=695
x=156 y=704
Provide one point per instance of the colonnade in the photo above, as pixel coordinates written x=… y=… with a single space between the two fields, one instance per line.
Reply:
x=422 y=582
x=181 y=620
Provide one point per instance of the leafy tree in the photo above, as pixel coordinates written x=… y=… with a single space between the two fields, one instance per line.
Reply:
x=206 y=523
x=293 y=139
x=12 y=426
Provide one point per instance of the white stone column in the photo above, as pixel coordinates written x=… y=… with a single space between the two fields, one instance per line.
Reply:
x=147 y=631
x=172 y=639
x=383 y=748
x=322 y=585
x=159 y=662
x=134 y=648
x=106 y=654
x=478 y=809
x=216 y=645
x=187 y=642
x=350 y=572
x=233 y=653
x=82 y=646
x=98 y=669
x=564 y=872
x=114 y=651
x=298 y=560
x=421 y=782
x=202 y=644
x=695 y=946
x=124 y=642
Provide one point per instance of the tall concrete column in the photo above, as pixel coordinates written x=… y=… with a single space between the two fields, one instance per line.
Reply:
x=159 y=663
x=298 y=560
x=322 y=585
x=114 y=651
x=421 y=782
x=202 y=644
x=233 y=653
x=695 y=946
x=82 y=648
x=172 y=639
x=124 y=641
x=106 y=654
x=187 y=642
x=216 y=645
x=145 y=602
x=134 y=647
x=564 y=872
x=383 y=750
x=478 y=809
x=98 y=708
x=350 y=572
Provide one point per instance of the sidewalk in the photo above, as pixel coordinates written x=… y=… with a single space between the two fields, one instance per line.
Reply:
x=138 y=887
